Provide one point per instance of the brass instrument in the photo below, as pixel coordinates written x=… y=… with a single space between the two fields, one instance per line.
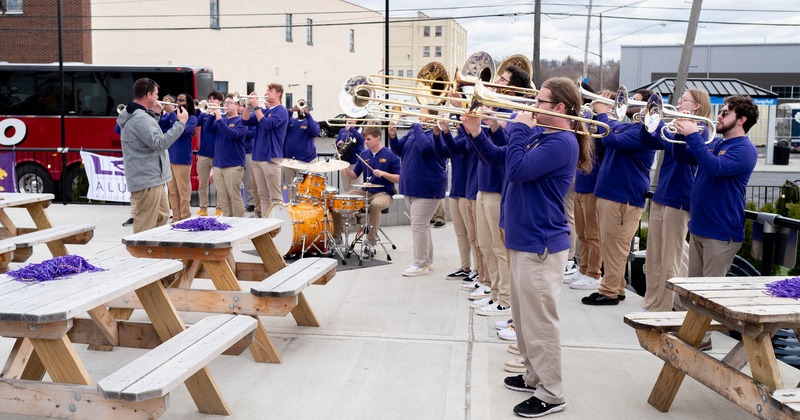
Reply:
x=655 y=112
x=483 y=96
x=301 y=104
x=164 y=103
x=205 y=108
x=431 y=86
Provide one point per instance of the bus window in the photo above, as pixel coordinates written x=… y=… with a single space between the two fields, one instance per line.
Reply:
x=205 y=83
x=91 y=95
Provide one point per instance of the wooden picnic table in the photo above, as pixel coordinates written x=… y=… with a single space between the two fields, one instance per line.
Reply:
x=33 y=202
x=42 y=314
x=210 y=254
x=739 y=304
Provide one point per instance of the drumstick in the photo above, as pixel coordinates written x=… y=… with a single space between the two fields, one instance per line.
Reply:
x=365 y=163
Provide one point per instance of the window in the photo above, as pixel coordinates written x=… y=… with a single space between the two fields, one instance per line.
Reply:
x=400 y=73
x=214 y=14
x=426 y=31
x=426 y=51
x=11 y=7
x=289 y=100
x=251 y=87
x=309 y=32
x=390 y=73
x=786 y=92
x=438 y=31
x=438 y=51
x=220 y=85
x=352 y=40
x=309 y=96
x=288 y=27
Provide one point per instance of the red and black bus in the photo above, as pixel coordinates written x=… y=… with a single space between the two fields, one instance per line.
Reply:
x=30 y=113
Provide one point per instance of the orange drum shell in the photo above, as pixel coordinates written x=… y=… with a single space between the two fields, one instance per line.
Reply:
x=347 y=202
x=307 y=219
x=312 y=186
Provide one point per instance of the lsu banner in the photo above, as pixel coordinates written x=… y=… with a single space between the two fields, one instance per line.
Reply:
x=8 y=177
x=106 y=176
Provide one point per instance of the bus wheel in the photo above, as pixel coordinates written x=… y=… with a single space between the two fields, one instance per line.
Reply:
x=32 y=178
x=77 y=185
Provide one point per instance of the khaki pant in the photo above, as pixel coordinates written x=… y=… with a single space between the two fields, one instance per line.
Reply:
x=569 y=211
x=709 y=258
x=667 y=254
x=495 y=255
x=535 y=287
x=254 y=184
x=439 y=215
x=618 y=223
x=421 y=210
x=472 y=232
x=229 y=190
x=203 y=176
x=377 y=203
x=247 y=179
x=180 y=192
x=591 y=259
x=152 y=208
x=458 y=211
x=268 y=182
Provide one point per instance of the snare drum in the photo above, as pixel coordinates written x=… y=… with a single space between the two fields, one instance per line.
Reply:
x=343 y=203
x=311 y=187
x=330 y=192
x=303 y=220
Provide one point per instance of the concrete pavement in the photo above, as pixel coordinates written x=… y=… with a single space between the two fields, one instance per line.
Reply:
x=392 y=347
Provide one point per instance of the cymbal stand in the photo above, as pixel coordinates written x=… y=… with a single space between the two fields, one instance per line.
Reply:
x=328 y=240
x=364 y=229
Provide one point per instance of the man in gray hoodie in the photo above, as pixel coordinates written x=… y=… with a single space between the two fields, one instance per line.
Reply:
x=145 y=156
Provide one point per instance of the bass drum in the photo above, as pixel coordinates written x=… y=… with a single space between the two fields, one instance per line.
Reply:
x=303 y=221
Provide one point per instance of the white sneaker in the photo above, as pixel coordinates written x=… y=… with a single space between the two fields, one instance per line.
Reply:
x=499 y=325
x=517 y=365
x=508 y=334
x=573 y=278
x=414 y=271
x=571 y=268
x=480 y=303
x=494 y=309
x=480 y=293
x=513 y=348
x=586 y=283
x=469 y=286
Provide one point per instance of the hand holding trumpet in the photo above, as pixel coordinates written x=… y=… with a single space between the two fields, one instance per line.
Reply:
x=685 y=127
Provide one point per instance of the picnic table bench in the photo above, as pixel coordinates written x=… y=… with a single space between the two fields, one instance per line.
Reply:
x=40 y=315
x=723 y=303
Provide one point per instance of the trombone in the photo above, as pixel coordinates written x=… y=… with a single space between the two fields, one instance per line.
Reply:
x=655 y=112
x=483 y=96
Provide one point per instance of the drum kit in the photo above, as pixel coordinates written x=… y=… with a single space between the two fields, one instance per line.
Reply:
x=308 y=211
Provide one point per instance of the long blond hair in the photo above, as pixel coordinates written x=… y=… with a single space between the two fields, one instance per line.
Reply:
x=565 y=91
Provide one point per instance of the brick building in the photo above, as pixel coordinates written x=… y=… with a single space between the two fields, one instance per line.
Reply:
x=30 y=31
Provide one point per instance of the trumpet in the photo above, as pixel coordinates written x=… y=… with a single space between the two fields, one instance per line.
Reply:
x=483 y=96
x=164 y=103
x=301 y=104
x=243 y=99
x=205 y=108
x=655 y=112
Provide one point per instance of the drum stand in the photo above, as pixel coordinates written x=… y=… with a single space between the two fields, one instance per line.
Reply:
x=328 y=241
x=364 y=229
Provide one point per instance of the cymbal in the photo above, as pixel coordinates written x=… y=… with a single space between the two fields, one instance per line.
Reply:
x=291 y=163
x=367 y=185
x=329 y=166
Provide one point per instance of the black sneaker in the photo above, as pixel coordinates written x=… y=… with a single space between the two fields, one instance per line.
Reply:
x=439 y=224
x=460 y=273
x=473 y=275
x=597 y=299
x=534 y=407
x=516 y=383
x=128 y=222
x=250 y=209
x=621 y=297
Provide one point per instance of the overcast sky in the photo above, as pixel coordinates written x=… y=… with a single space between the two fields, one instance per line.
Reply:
x=625 y=22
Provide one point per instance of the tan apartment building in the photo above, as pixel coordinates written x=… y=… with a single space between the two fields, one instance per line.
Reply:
x=415 y=43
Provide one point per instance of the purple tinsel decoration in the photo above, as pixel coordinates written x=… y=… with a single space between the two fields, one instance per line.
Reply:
x=786 y=288
x=52 y=269
x=200 y=224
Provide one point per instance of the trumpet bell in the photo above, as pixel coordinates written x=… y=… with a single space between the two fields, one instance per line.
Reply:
x=621 y=103
x=433 y=77
x=120 y=108
x=351 y=97
x=653 y=113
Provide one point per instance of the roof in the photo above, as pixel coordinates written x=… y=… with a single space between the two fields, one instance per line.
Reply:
x=715 y=87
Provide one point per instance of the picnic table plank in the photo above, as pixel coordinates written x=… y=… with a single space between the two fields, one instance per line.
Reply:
x=240 y=231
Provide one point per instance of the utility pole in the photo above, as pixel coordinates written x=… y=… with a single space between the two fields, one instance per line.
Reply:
x=686 y=53
x=602 y=78
x=683 y=70
x=537 y=36
x=586 y=44
x=386 y=66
